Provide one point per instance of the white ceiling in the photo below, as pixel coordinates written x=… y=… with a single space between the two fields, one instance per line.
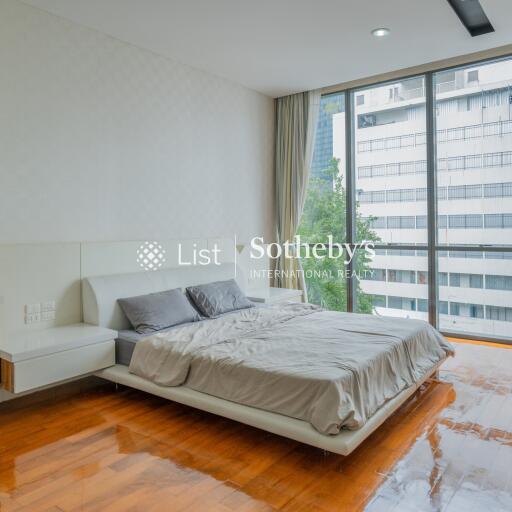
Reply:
x=279 y=47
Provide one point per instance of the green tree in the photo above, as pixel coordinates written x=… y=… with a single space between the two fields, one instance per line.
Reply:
x=325 y=214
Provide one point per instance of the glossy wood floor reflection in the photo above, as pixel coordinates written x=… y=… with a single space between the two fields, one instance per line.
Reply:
x=448 y=448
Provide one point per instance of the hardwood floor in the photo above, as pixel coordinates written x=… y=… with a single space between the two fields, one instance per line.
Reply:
x=448 y=448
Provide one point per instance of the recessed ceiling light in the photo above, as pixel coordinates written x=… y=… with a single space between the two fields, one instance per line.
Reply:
x=380 y=32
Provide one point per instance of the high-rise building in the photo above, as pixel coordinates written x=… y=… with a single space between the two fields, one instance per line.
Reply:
x=330 y=105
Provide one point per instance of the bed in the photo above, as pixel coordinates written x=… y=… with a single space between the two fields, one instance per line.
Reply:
x=324 y=378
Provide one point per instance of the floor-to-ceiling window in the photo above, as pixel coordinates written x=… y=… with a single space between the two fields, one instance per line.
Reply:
x=473 y=106
x=422 y=167
x=325 y=208
x=390 y=177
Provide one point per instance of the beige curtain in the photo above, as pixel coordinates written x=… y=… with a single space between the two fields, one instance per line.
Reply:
x=296 y=120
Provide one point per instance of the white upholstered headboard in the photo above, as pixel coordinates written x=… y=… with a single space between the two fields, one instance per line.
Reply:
x=100 y=294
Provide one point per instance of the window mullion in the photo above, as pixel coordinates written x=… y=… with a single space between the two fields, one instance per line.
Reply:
x=350 y=195
x=433 y=315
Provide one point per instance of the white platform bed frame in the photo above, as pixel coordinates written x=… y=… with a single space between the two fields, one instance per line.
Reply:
x=100 y=296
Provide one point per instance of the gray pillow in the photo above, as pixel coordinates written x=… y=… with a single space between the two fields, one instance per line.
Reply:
x=156 y=311
x=213 y=299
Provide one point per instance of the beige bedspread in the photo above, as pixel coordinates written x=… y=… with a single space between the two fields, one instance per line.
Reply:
x=331 y=369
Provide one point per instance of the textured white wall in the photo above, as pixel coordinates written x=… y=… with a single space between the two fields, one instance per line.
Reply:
x=100 y=140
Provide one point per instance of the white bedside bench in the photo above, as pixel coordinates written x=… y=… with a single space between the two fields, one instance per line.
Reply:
x=32 y=359
x=275 y=295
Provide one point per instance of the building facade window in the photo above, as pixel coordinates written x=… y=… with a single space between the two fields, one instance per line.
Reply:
x=376 y=274
x=498 y=189
x=465 y=191
x=401 y=276
x=405 y=303
x=466 y=280
x=498 y=220
x=500 y=313
x=443 y=278
x=443 y=307
x=493 y=282
x=379 y=301
x=422 y=305
x=422 y=277
x=467 y=310
x=473 y=76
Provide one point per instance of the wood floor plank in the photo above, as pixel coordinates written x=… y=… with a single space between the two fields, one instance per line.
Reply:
x=448 y=448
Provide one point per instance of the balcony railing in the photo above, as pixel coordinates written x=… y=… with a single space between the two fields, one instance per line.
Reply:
x=446 y=87
x=479 y=161
x=453 y=163
x=452 y=192
x=393 y=169
x=477 y=131
x=464 y=221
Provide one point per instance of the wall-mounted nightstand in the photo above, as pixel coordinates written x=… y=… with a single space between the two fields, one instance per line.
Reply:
x=275 y=295
x=35 y=358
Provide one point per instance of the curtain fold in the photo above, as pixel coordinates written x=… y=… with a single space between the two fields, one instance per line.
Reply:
x=296 y=123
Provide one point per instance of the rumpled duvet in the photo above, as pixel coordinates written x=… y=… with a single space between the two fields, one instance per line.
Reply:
x=331 y=369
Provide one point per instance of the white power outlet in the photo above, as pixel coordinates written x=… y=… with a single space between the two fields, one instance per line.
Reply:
x=32 y=318
x=47 y=315
x=48 y=306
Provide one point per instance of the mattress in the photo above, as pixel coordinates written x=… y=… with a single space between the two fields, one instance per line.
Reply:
x=127 y=339
x=125 y=345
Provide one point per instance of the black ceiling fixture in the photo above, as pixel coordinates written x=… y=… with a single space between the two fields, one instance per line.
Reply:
x=472 y=15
